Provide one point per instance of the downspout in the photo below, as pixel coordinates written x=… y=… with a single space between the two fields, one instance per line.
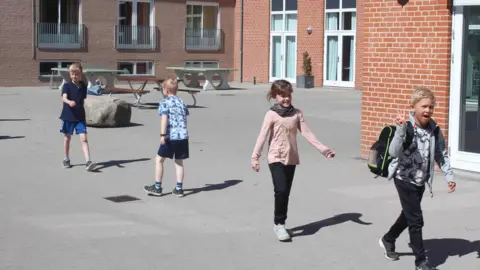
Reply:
x=34 y=53
x=240 y=70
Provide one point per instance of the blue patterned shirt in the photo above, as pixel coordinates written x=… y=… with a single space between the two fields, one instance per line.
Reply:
x=177 y=113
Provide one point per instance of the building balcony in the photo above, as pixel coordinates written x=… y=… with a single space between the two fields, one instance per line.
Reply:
x=135 y=37
x=60 y=36
x=203 y=39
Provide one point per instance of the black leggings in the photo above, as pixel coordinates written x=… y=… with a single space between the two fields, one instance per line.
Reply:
x=282 y=177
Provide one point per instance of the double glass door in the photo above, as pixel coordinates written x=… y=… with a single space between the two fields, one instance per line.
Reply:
x=465 y=88
x=283 y=54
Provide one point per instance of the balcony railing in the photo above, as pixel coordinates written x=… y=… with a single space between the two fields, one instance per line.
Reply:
x=60 y=36
x=135 y=37
x=202 y=39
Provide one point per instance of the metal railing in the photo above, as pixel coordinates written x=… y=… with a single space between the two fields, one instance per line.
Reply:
x=203 y=39
x=60 y=36
x=135 y=37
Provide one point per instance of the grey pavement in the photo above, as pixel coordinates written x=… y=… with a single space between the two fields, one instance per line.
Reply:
x=55 y=218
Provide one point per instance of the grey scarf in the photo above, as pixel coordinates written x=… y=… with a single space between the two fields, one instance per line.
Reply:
x=283 y=111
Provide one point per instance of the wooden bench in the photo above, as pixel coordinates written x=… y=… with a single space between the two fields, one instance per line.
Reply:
x=137 y=93
x=192 y=92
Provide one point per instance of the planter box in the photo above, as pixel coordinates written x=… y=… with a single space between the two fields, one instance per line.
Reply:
x=305 y=81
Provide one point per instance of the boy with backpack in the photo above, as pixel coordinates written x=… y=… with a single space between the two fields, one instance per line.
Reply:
x=414 y=146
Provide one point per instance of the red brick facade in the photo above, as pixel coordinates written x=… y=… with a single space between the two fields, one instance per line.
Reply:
x=404 y=47
x=20 y=59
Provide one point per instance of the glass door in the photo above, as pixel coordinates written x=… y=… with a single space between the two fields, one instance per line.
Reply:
x=290 y=47
x=276 y=57
x=465 y=87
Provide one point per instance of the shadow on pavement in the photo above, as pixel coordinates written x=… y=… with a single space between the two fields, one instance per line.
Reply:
x=118 y=163
x=11 y=137
x=211 y=187
x=13 y=120
x=438 y=250
x=314 y=227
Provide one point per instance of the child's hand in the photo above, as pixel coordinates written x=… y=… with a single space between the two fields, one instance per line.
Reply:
x=255 y=166
x=328 y=153
x=400 y=120
x=451 y=187
x=72 y=103
x=162 y=139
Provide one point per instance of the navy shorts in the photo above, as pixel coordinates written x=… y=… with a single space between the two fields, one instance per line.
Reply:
x=68 y=127
x=177 y=149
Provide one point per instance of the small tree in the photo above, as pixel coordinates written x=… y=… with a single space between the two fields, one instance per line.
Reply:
x=307 y=64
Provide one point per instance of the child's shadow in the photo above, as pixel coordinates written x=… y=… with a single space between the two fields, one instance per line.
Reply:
x=212 y=187
x=440 y=249
x=314 y=227
x=118 y=163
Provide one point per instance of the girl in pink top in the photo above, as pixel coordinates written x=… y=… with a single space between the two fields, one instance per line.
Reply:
x=281 y=124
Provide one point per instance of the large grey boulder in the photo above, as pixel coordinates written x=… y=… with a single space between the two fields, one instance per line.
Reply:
x=104 y=111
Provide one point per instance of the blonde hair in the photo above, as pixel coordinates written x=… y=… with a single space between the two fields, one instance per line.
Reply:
x=76 y=66
x=171 y=84
x=422 y=93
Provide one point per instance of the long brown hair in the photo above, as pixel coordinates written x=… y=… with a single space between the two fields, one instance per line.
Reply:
x=280 y=87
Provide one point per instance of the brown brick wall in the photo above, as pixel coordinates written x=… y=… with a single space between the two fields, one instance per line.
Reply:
x=311 y=14
x=170 y=19
x=404 y=47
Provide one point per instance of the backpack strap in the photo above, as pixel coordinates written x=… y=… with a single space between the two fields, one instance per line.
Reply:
x=409 y=136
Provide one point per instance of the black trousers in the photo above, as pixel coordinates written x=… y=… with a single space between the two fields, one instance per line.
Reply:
x=282 y=177
x=411 y=217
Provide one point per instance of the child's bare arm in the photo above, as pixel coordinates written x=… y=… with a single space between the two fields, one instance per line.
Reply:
x=163 y=124
x=66 y=100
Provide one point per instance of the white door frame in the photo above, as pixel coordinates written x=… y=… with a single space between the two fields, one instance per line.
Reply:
x=340 y=34
x=459 y=159
x=283 y=33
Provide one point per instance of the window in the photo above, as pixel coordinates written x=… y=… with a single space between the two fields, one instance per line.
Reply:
x=283 y=16
x=137 y=67
x=45 y=67
x=202 y=64
x=202 y=15
x=59 y=11
x=135 y=12
x=340 y=15
x=136 y=25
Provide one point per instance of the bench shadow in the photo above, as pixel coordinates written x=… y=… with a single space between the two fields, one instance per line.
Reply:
x=11 y=137
x=118 y=163
x=13 y=120
x=154 y=106
x=211 y=187
x=313 y=227
x=438 y=250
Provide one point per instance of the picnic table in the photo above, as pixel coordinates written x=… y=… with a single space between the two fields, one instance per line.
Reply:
x=90 y=75
x=137 y=92
x=208 y=73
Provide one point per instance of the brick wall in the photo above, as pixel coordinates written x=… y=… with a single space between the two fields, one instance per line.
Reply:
x=403 y=47
x=20 y=68
x=311 y=14
x=256 y=40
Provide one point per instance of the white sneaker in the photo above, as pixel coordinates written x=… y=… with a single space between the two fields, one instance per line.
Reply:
x=281 y=232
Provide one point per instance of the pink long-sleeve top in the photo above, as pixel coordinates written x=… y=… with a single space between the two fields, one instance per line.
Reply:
x=283 y=138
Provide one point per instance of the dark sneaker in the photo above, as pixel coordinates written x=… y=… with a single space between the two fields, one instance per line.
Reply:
x=89 y=166
x=389 y=250
x=66 y=163
x=152 y=190
x=424 y=266
x=177 y=192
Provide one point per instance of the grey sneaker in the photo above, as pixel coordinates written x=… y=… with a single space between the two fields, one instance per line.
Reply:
x=282 y=232
x=152 y=190
x=89 y=166
x=66 y=163
x=424 y=266
x=177 y=192
x=388 y=250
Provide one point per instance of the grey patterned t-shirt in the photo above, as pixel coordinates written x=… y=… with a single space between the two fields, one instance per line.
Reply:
x=414 y=165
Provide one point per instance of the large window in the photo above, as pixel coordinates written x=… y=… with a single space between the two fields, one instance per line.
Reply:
x=135 y=29
x=46 y=66
x=137 y=67
x=202 y=64
x=202 y=15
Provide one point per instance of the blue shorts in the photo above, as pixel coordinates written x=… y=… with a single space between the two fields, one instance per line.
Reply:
x=177 y=149
x=80 y=127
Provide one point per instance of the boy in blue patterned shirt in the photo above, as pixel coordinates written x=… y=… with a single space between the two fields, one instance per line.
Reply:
x=173 y=138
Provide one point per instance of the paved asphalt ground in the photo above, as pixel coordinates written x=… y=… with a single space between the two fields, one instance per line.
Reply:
x=55 y=218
